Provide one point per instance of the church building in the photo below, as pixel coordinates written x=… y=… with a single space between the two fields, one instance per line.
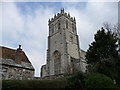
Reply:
x=64 y=55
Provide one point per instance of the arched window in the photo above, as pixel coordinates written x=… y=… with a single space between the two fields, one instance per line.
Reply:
x=66 y=23
x=73 y=28
x=52 y=28
x=57 y=62
x=58 y=24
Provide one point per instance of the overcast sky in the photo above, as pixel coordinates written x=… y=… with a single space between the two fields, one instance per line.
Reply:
x=26 y=23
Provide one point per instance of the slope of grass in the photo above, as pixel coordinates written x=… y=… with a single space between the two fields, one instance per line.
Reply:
x=56 y=83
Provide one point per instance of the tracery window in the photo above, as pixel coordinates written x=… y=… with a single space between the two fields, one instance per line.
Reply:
x=57 y=62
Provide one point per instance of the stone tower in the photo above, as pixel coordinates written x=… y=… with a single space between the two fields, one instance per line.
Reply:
x=63 y=54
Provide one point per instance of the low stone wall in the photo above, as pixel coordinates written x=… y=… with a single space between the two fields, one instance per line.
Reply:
x=53 y=77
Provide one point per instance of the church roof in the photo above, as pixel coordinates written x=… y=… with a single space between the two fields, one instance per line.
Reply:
x=8 y=53
x=14 y=58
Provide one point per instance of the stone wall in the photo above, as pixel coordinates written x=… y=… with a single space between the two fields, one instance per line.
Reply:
x=16 y=73
x=43 y=71
x=51 y=77
x=13 y=71
x=83 y=61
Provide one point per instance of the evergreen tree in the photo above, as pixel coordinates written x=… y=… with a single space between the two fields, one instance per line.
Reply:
x=102 y=53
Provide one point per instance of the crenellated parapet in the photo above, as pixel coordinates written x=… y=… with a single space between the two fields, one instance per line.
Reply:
x=62 y=13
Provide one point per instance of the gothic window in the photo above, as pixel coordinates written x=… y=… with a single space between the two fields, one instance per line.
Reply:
x=52 y=28
x=71 y=37
x=58 y=24
x=72 y=27
x=57 y=62
x=66 y=23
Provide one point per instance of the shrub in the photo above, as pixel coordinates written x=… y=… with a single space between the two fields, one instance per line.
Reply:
x=76 y=80
x=99 y=81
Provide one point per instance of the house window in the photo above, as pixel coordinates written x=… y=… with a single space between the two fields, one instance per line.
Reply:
x=3 y=70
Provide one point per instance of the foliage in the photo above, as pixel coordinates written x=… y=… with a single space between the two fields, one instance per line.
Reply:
x=76 y=80
x=104 y=46
x=116 y=30
x=113 y=28
x=102 y=53
x=118 y=71
x=99 y=81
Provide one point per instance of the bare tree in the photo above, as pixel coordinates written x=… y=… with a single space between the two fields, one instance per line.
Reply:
x=115 y=29
x=107 y=26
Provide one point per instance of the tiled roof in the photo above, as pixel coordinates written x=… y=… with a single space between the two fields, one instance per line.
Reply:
x=17 y=55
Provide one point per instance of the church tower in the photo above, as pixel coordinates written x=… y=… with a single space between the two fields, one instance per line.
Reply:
x=63 y=54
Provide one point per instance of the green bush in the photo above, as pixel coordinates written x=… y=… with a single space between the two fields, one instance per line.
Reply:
x=76 y=81
x=99 y=81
